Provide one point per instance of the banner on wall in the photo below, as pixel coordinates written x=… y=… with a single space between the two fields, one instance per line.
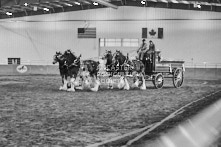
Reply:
x=22 y=68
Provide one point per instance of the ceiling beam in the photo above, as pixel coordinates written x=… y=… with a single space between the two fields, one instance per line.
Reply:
x=8 y=9
x=53 y=4
x=45 y=5
x=84 y=2
x=64 y=3
x=106 y=4
x=36 y=5
x=23 y=7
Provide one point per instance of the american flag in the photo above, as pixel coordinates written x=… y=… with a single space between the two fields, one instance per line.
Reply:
x=86 y=32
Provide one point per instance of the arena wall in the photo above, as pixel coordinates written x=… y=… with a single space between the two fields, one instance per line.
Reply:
x=191 y=73
x=193 y=36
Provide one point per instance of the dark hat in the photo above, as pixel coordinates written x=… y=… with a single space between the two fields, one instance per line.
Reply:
x=143 y=40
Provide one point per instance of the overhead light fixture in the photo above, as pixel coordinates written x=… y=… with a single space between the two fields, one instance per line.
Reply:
x=69 y=5
x=8 y=13
x=77 y=3
x=143 y=2
x=95 y=3
x=26 y=4
x=46 y=9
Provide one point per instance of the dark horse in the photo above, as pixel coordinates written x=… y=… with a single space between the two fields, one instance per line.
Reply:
x=126 y=66
x=59 y=57
x=73 y=65
x=110 y=67
x=69 y=66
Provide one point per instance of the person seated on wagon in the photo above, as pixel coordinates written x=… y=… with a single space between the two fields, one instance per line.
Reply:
x=151 y=49
x=142 y=49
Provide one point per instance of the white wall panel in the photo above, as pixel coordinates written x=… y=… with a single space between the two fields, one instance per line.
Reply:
x=195 y=36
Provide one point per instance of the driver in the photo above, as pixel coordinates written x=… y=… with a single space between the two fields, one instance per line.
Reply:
x=142 y=49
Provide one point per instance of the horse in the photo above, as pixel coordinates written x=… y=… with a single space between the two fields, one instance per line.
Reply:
x=110 y=67
x=91 y=68
x=59 y=57
x=135 y=67
x=73 y=65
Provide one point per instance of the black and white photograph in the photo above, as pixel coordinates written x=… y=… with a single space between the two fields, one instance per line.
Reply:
x=110 y=73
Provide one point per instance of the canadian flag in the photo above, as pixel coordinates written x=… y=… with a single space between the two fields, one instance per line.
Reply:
x=154 y=33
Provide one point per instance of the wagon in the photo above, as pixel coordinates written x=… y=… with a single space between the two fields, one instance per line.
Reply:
x=157 y=70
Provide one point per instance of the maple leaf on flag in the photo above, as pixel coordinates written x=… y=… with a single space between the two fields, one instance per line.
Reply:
x=152 y=32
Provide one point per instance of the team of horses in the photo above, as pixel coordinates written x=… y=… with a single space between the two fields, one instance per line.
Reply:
x=83 y=74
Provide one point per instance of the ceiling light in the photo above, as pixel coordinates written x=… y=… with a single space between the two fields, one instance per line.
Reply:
x=69 y=5
x=95 y=3
x=26 y=4
x=8 y=13
x=77 y=3
x=143 y=2
x=46 y=9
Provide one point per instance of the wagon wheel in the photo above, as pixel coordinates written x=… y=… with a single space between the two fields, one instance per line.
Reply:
x=158 y=80
x=178 y=78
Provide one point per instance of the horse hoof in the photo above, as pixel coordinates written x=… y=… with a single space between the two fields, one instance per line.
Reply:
x=71 y=90
x=110 y=88
x=143 y=88
x=62 y=88
x=79 y=88
x=94 y=89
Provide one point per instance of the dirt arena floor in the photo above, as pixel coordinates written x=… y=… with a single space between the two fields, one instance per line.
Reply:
x=33 y=112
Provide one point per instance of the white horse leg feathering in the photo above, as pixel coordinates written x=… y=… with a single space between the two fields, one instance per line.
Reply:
x=72 y=89
x=136 y=83
x=126 y=85
x=96 y=85
x=64 y=87
x=121 y=83
x=110 y=83
x=77 y=83
x=143 y=86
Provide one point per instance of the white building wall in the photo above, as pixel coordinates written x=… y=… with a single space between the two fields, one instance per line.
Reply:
x=187 y=34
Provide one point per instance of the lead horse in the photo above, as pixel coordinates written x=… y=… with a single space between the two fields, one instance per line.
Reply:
x=60 y=59
x=69 y=66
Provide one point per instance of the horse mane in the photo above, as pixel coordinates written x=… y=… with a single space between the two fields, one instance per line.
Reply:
x=121 y=58
x=109 y=58
x=69 y=56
